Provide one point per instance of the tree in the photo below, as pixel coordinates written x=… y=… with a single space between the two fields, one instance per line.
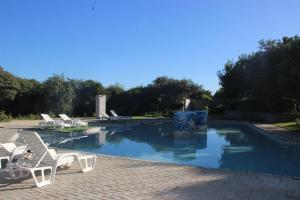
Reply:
x=114 y=89
x=85 y=93
x=263 y=81
x=29 y=100
x=59 y=94
x=9 y=85
x=163 y=96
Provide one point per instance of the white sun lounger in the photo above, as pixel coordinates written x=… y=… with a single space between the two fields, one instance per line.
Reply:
x=119 y=117
x=72 y=122
x=105 y=116
x=6 y=150
x=49 y=122
x=114 y=113
x=44 y=160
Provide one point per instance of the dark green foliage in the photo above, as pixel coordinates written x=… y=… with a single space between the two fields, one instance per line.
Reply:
x=263 y=81
x=59 y=95
x=4 y=117
x=114 y=90
x=28 y=98
x=9 y=85
x=163 y=96
x=296 y=111
x=85 y=92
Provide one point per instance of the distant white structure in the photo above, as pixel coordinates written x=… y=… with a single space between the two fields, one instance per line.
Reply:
x=186 y=104
x=100 y=105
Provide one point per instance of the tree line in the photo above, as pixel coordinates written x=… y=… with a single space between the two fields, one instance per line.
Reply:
x=267 y=80
x=58 y=94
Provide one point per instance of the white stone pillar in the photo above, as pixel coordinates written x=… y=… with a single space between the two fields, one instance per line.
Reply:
x=186 y=104
x=100 y=106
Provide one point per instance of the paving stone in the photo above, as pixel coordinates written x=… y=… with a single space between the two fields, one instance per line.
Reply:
x=120 y=178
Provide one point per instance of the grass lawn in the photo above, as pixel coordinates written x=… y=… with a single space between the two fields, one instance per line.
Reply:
x=68 y=130
x=73 y=129
x=289 y=125
x=148 y=117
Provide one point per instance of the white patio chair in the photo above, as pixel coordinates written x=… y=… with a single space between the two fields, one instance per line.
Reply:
x=44 y=160
x=106 y=116
x=114 y=114
x=49 y=122
x=72 y=122
x=6 y=150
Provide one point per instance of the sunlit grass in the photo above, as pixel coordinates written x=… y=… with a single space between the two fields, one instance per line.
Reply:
x=288 y=125
x=68 y=130
x=148 y=117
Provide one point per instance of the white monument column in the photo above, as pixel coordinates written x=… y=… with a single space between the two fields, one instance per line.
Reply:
x=100 y=106
x=186 y=104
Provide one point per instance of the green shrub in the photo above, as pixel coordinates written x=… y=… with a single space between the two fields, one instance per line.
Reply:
x=297 y=122
x=4 y=117
x=153 y=114
x=28 y=117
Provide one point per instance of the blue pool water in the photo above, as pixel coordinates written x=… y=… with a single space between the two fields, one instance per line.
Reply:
x=227 y=146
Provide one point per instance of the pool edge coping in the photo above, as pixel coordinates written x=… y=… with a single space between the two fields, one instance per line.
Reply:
x=225 y=171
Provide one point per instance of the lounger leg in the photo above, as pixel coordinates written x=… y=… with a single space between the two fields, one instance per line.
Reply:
x=5 y=159
x=89 y=162
x=44 y=181
x=17 y=174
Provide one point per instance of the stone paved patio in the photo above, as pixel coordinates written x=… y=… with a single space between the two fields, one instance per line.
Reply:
x=282 y=134
x=119 y=178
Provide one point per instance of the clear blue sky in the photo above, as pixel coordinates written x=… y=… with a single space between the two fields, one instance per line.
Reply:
x=134 y=41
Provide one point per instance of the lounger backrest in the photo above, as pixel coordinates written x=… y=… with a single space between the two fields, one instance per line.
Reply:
x=37 y=147
x=47 y=118
x=104 y=114
x=114 y=113
x=9 y=147
x=3 y=151
x=65 y=117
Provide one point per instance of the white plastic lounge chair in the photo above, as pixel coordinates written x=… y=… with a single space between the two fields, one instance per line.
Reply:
x=119 y=117
x=7 y=146
x=106 y=116
x=6 y=150
x=72 y=122
x=44 y=160
x=49 y=122
x=114 y=113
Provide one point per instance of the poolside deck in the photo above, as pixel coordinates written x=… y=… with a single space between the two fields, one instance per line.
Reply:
x=283 y=135
x=120 y=178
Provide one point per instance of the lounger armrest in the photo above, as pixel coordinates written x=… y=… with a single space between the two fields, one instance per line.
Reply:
x=63 y=155
x=18 y=151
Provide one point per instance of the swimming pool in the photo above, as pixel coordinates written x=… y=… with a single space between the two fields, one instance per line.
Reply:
x=235 y=147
